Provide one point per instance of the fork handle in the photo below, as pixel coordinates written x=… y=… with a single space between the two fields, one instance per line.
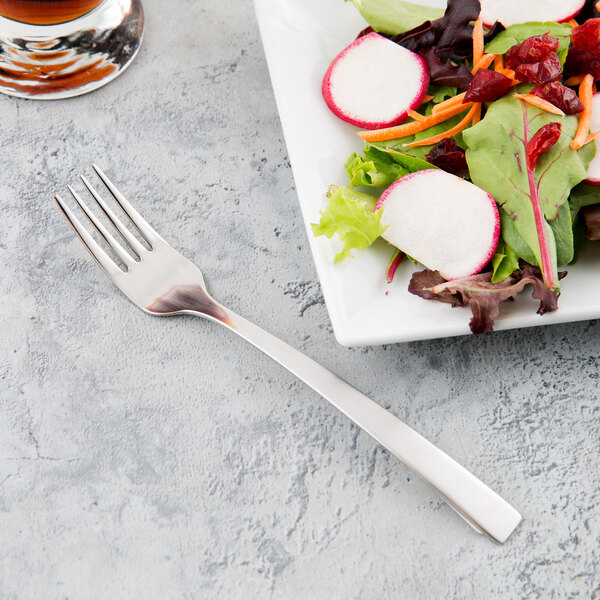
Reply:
x=479 y=505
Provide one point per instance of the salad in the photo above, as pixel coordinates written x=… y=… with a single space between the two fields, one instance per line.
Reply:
x=480 y=159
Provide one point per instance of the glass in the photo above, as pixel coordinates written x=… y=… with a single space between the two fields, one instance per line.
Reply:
x=53 y=49
x=46 y=12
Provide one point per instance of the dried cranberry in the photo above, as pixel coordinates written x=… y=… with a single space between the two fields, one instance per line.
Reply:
x=547 y=70
x=535 y=60
x=541 y=142
x=533 y=50
x=584 y=55
x=487 y=86
x=448 y=156
x=581 y=62
x=560 y=96
x=536 y=48
x=586 y=36
x=512 y=59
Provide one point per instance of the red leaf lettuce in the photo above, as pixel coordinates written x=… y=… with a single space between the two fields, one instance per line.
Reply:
x=481 y=295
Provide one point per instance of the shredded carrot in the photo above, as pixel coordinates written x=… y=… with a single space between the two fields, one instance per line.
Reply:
x=540 y=103
x=499 y=63
x=591 y=137
x=477 y=41
x=573 y=22
x=598 y=6
x=456 y=129
x=454 y=101
x=586 y=96
x=452 y=111
x=477 y=115
x=511 y=75
x=575 y=80
x=483 y=63
x=391 y=133
x=416 y=116
x=508 y=73
x=426 y=98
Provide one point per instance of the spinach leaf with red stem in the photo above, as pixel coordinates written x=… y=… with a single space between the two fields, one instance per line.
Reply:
x=530 y=197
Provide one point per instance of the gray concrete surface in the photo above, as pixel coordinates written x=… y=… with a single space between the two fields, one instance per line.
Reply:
x=164 y=459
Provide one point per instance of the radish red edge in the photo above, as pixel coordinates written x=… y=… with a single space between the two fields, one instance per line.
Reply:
x=484 y=218
x=510 y=7
x=334 y=103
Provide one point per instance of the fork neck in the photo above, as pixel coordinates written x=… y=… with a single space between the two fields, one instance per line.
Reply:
x=190 y=298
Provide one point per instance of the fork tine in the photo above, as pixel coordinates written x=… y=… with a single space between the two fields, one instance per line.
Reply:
x=89 y=242
x=110 y=240
x=125 y=233
x=143 y=226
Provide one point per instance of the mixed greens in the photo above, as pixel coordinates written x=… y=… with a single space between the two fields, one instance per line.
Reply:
x=526 y=141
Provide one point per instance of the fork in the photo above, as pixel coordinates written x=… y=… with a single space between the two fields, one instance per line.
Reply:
x=162 y=282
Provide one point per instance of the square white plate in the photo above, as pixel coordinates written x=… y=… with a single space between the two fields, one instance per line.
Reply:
x=300 y=39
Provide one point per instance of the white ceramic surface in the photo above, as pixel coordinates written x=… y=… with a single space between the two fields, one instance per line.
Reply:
x=300 y=40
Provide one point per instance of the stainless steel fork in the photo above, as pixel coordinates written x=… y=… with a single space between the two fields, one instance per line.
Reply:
x=162 y=282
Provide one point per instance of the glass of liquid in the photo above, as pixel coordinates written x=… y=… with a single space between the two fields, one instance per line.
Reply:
x=52 y=49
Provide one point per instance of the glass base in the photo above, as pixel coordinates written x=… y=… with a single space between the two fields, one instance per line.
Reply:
x=50 y=62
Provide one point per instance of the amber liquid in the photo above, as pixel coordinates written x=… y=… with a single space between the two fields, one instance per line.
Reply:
x=46 y=12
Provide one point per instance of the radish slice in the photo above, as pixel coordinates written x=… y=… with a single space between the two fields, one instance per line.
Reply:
x=446 y=223
x=593 y=174
x=509 y=12
x=374 y=82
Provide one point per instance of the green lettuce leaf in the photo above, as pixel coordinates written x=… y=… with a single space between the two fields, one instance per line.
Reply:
x=374 y=169
x=513 y=239
x=505 y=262
x=350 y=215
x=379 y=168
x=441 y=93
x=412 y=164
x=395 y=16
x=517 y=34
x=583 y=195
x=562 y=228
x=562 y=55
x=497 y=163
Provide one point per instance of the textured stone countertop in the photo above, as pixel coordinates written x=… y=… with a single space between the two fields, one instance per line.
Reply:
x=168 y=459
